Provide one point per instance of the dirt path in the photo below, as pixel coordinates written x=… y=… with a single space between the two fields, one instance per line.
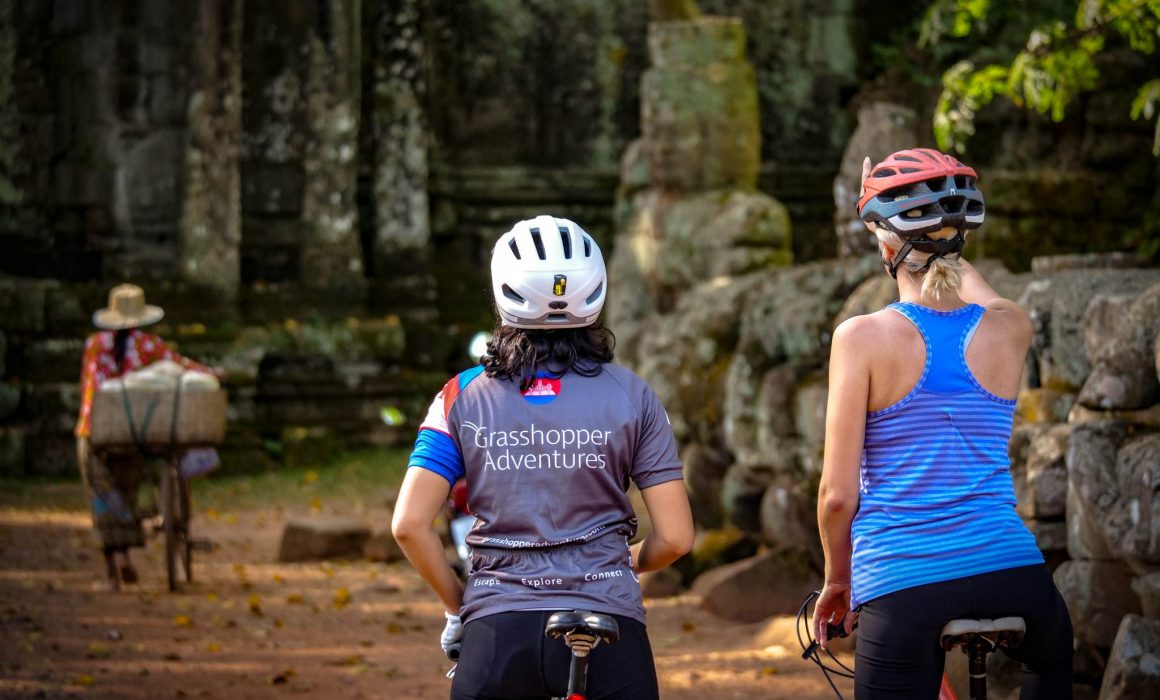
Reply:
x=252 y=628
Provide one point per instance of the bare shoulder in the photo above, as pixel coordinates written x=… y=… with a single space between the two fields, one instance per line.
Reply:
x=862 y=335
x=1011 y=316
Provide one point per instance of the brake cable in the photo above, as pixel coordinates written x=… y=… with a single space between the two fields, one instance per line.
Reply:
x=810 y=650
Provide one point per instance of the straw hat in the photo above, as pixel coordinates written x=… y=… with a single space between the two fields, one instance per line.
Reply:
x=127 y=309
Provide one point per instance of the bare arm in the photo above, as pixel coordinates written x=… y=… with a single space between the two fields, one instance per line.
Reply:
x=838 y=490
x=672 y=521
x=420 y=499
x=975 y=289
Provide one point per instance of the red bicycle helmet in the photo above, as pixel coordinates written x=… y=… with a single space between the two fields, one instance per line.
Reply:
x=919 y=191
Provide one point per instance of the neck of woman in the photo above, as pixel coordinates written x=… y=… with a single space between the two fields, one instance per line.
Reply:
x=910 y=290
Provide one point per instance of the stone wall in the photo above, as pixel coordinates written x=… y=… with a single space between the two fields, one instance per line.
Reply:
x=305 y=379
x=100 y=96
x=1086 y=457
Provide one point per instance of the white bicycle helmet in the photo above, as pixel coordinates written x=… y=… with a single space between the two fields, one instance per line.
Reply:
x=548 y=273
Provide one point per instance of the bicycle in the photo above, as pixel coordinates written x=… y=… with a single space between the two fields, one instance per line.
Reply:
x=977 y=638
x=135 y=429
x=172 y=502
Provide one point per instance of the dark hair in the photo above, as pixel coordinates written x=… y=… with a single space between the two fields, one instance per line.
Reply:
x=518 y=353
x=120 y=342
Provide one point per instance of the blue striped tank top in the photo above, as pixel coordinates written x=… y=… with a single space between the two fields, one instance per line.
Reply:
x=936 y=498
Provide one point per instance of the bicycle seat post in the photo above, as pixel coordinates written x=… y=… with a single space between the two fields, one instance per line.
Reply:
x=581 y=631
x=977 y=638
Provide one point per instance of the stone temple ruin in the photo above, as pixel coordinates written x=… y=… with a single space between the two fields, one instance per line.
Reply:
x=311 y=190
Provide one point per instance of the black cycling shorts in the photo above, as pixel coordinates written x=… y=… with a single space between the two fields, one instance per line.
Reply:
x=898 y=655
x=506 y=656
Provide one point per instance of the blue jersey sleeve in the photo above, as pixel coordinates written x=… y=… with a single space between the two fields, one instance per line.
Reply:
x=435 y=451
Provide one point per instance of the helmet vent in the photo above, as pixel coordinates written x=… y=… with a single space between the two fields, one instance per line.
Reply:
x=566 y=240
x=587 y=247
x=557 y=305
x=539 y=243
x=557 y=318
x=909 y=158
x=962 y=181
x=885 y=172
x=952 y=205
x=511 y=294
x=515 y=248
x=908 y=170
x=595 y=294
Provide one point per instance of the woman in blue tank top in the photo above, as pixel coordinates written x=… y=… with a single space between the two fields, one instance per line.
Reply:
x=916 y=506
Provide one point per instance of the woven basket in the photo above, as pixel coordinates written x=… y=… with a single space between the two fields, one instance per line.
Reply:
x=199 y=418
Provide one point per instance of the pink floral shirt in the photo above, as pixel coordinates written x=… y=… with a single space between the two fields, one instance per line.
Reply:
x=99 y=364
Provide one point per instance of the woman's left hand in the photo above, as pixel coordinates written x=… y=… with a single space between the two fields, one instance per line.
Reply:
x=833 y=607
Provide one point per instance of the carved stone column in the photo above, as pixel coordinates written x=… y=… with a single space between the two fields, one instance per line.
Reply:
x=399 y=134
x=211 y=220
x=331 y=255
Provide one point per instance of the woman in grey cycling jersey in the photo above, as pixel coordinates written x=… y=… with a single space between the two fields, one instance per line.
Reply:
x=549 y=433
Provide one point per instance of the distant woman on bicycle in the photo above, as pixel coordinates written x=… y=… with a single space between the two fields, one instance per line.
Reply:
x=112 y=479
x=916 y=505
x=549 y=434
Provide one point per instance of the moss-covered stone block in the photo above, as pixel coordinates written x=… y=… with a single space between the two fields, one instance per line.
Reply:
x=51 y=454
x=65 y=312
x=712 y=548
x=308 y=447
x=699 y=114
x=9 y=400
x=55 y=360
x=22 y=304
x=12 y=451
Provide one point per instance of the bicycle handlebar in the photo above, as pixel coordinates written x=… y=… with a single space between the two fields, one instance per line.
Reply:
x=833 y=631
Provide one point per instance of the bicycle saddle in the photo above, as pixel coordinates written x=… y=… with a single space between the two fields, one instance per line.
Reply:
x=582 y=622
x=1003 y=632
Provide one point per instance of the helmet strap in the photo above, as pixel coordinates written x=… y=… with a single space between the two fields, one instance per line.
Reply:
x=948 y=246
x=892 y=265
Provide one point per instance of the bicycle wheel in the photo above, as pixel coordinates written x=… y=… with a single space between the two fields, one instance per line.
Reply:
x=171 y=518
x=186 y=513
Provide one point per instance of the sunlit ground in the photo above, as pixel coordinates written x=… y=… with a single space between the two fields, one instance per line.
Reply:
x=251 y=627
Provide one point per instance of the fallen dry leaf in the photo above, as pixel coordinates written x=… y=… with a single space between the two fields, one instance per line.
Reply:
x=348 y=661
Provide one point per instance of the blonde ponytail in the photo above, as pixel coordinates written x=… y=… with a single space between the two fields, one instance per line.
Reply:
x=945 y=275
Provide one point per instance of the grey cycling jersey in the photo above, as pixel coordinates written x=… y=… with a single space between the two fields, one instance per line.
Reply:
x=547 y=473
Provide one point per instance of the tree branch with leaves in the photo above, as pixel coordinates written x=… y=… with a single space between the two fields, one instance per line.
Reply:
x=1057 y=63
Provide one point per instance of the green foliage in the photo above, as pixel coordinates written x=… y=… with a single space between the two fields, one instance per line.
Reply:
x=953 y=18
x=1144 y=106
x=1046 y=78
x=1057 y=63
